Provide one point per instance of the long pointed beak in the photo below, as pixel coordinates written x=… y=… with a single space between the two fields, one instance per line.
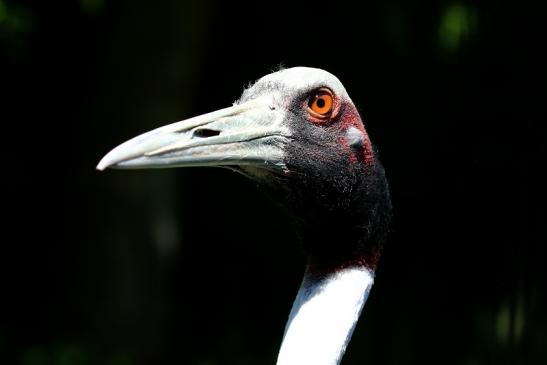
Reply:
x=251 y=133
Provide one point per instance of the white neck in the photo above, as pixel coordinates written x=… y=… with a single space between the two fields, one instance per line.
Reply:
x=323 y=317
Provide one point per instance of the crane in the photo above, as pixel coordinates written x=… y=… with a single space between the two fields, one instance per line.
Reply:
x=297 y=133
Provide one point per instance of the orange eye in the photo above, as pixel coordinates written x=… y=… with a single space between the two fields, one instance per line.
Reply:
x=321 y=103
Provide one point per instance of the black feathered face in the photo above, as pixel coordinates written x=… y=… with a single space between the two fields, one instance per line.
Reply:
x=322 y=123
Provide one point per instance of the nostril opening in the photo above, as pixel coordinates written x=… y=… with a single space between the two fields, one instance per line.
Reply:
x=204 y=133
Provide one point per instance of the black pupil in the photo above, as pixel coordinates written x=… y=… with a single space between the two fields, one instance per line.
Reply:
x=320 y=102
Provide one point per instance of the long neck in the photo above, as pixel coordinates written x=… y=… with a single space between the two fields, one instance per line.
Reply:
x=324 y=315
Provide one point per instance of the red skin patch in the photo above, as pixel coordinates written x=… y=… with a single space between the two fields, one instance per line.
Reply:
x=324 y=268
x=351 y=118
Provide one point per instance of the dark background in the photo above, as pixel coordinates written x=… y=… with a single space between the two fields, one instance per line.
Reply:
x=197 y=266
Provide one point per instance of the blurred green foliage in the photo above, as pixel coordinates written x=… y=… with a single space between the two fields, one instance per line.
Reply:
x=70 y=353
x=457 y=24
x=15 y=23
x=92 y=7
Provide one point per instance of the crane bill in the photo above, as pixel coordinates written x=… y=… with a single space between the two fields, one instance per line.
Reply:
x=251 y=133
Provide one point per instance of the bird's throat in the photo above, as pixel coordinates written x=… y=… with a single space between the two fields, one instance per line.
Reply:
x=324 y=315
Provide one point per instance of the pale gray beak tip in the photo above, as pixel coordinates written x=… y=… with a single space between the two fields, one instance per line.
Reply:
x=107 y=161
x=123 y=152
x=102 y=165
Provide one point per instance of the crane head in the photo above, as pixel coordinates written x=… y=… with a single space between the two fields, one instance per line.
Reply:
x=294 y=110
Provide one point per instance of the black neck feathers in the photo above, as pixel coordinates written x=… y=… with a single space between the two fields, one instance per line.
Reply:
x=342 y=208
